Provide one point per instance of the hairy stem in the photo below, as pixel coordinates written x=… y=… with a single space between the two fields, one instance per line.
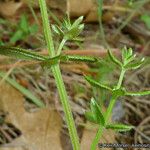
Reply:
x=58 y=78
x=61 y=46
x=102 y=33
x=97 y=137
x=121 y=78
x=110 y=108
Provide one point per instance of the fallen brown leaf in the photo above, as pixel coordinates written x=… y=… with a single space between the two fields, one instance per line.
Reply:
x=9 y=8
x=89 y=134
x=40 y=129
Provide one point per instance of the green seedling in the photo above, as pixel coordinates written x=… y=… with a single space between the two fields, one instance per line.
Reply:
x=96 y=115
x=23 y=30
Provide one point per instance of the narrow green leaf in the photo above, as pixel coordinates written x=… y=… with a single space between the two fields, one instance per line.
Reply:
x=23 y=90
x=90 y=117
x=113 y=58
x=124 y=54
x=97 y=114
x=16 y=36
x=127 y=55
x=146 y=19
x=24 y=24
x=134 y=65
x=20 y=53
x=96 y=84
x=130 y=59
x=77 y=22
x=57 y=30
x=66 y=23
x=129 y=52
x=74 y=32
x=78 y=58
x=142 y=93
x=119 y=127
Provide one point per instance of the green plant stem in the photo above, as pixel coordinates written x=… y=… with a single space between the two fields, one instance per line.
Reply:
x=97 y=137
x=121 y=78
x=66 y=107
x=58 y=78
x=110 y=108
x=102 y=33
x=46 y=28
x=33 y=12
x=61 y=46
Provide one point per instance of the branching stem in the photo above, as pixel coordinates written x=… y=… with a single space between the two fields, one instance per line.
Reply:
x=58 y=77
x=108 y=112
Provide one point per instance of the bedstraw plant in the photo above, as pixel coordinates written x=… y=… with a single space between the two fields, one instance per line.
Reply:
x=96 y=115
x=71 y=31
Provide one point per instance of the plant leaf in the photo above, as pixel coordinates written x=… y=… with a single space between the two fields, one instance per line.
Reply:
x=24 y=24
x=77 y=22
x=119 y=127
x=57 y=30
x=134 y=65
x=20 y=53
x=78 y=58
x=73 y=32
x=113 y=58
x=89 y=116
x=96 y=84
x=146 y=19
x=97 y=114
x=142 y=93
x=124 y=54
x=130 y=59
x=16 y=36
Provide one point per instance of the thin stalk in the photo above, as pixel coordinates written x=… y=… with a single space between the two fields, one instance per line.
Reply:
x=61 y=46
x=110 y=108
x=33 y=12
x=102 y=33
x=121 y=78
x=58 y=78
x=46 y=28
x=97 y=137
